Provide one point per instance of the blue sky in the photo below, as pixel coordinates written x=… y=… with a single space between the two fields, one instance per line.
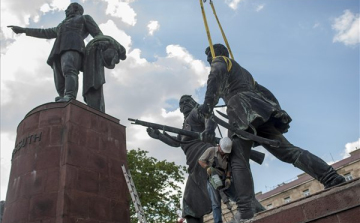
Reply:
x=305 y=51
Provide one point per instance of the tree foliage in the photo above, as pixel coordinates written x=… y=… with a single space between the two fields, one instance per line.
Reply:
x=157 y=184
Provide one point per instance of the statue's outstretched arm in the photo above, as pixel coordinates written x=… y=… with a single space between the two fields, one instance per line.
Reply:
x=155 y=134
x=17 y=29
x=49 y=33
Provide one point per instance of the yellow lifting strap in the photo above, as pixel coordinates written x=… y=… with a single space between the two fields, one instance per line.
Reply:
x=222 y=31
x=227 y=61
x=208 y=31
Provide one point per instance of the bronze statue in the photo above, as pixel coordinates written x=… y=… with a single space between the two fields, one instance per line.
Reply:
x=68 y=51
x=68 y=55
x=254 y=108
x=102 y=51
x=196 y=201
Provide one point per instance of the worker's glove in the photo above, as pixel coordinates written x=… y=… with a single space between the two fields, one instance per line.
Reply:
x=227 y=182
x=153 y=133
x=207 y=136
x=210 y=170
x=205 y=110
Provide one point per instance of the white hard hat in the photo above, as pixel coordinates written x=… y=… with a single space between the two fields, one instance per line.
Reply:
x=225 y=144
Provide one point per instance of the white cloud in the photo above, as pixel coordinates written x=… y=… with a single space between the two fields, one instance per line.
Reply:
x=137 y=77
x=121 y=9
x=152 y=27
x=110 y=29
x=351 y=146
x=20 y=13
x=316 y=25
x=7 y=146
x=172 y=114
x=233 y=3
x=60 y=4
x=24 y=63
x=347 y=28
x=135 y=55
x=55 y=5
x=197 y=66
x=260 y=7
x=45 y=8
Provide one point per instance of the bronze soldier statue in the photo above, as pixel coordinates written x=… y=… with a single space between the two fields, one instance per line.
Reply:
x=68 y=51
x=196 y=201
x=253 y=108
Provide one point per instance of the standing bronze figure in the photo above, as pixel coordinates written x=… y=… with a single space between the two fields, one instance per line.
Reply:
x=253 y=108
x=66 y=57
x=69 y=56
x=196 y=201
x=102 y=51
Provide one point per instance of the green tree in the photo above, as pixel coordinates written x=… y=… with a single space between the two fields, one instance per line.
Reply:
x=157 y=185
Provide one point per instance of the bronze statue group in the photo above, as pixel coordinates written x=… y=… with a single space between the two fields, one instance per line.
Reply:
x=250 y=107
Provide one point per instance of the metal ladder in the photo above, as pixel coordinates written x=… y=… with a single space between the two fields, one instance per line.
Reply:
x=134 y=196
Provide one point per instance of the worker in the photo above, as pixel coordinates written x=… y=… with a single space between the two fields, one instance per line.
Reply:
x=216 y=162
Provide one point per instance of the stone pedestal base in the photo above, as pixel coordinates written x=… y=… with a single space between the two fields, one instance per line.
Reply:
x=66 y=167
x=335 y=205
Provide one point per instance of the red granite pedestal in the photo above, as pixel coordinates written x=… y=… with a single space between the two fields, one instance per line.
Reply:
x=335 y=205
x=339 y=204
x=66 y=167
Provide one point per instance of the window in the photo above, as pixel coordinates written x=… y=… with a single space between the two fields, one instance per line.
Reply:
x=306 y=193
x=269 y=206
x=348 y=176
x=287 y=200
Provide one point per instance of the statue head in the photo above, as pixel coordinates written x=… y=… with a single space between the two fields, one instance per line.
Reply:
x=186 y=104
x=219 y=50
x=74 y=9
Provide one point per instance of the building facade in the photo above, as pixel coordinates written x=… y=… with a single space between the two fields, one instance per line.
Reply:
x=305 y=185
